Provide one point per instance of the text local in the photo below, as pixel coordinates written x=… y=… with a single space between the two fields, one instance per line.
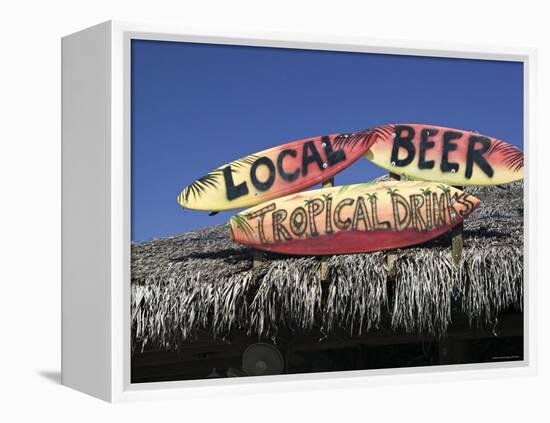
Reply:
x=310 y=155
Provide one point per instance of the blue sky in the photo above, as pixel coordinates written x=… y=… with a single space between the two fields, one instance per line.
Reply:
x=198 y=106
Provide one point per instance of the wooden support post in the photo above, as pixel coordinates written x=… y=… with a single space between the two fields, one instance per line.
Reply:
x=324 y=259
x=324 y=268
x=329 y=183
x=394 y=176
x=257 y=258
x=457 y=240
x=390 y=265
x=390 y=257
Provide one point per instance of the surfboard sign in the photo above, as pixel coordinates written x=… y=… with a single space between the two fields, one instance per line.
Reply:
x=358 y=218
x=450 y=156
x=276 y=172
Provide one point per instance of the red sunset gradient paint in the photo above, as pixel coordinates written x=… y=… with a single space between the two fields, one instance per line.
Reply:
x=439 y=154
x=276 y=172
x=353 y=219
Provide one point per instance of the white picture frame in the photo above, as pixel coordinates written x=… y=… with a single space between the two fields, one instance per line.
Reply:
x=96 y=226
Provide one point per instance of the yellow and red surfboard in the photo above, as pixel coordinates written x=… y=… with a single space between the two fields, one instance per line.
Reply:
x=450 y=156
x=276 y=172
x=353 y=219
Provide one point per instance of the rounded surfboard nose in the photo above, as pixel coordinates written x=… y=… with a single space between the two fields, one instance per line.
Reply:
x=276 y=172
x=451 y=156
x=353 y=219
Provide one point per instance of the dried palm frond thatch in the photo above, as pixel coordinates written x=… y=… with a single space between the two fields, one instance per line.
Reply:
x=203 y=281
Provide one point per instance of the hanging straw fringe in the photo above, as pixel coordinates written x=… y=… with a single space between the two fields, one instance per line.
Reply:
x=201 y=281
x=357 y=293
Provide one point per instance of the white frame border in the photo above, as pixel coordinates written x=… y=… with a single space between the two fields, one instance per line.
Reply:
x=119 y=289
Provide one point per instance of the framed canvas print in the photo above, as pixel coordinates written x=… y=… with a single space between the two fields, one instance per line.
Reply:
x=253 y=211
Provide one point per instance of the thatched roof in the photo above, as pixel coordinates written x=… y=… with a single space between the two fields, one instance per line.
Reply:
x=203 y=281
